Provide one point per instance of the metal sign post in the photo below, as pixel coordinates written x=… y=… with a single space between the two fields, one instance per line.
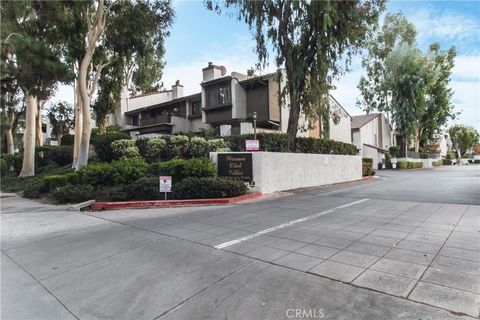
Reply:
x=165 y=184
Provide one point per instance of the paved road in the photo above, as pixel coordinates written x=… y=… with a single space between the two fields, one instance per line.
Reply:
x=404 y=246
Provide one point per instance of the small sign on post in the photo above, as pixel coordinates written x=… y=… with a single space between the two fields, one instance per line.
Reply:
x=165 y=184
x=252 y=145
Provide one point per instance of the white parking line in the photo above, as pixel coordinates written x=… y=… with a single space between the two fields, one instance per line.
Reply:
x=287 y=224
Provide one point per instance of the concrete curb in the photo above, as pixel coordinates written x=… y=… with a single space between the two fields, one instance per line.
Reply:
x=100 y=206
x=80 y=206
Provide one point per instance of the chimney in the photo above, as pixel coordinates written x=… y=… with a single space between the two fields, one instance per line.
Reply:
x=177 y=90
x=213 y=72
x=250 y=72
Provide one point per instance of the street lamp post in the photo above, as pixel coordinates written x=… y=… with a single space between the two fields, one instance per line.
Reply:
x=254 y=117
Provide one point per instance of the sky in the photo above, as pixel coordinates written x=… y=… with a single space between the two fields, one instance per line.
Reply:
x=199 y=36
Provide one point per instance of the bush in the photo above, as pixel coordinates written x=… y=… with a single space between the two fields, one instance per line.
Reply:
x=102 y=144
x=125 y=148
x=115 y=193
x=367 y=164
x=3 y=167
x=180 y=169
x=177 y=146
x=451 y=155
x=96 y=174
x=476 y=161
x=13 y=161
x=208 y=188
x=447 y=162
x=423 y=153
x=61 y=155
x=394 y=151
x=73 y=178
x=197 y=147
x=33 y=191
x=436 y=163
x=127 y=170
x=272 y=142
x=217 y=145
x=67 y=140
x=409 y=165
x=141 y=144
x=154 y=148
x=73 y=194
x=53 y=182
x=146 y=188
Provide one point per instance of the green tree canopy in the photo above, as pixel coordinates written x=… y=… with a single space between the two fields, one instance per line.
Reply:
x=309 y=39
x=60 y=115
x=396 y=30
x=463 y=138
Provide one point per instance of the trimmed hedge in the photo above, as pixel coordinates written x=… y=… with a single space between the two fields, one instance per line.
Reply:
x=278 y=142
x=61 y=155
x=402 y=164
x=447 y=162
x=74 y=193
x=124 y=148
x=121 y=171
x=180 y=169
x=13 y=161
x=437 y=163
x=52 y=182
x=102 y=144
x=67 y=140
x=146 y=188
x=208 y=188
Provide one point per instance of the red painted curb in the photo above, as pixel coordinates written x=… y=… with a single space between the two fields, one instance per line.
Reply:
x=99 y=206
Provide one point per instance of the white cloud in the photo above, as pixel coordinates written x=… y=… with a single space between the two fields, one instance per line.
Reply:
x=467 y=68
x=467 y=100
x=448 y=25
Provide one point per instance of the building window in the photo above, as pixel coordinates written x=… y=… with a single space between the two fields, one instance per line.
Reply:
x=196 y=108
x=219 y=96
x=135 y=120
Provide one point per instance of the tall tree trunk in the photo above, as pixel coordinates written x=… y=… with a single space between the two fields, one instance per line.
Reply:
x=38 y=124
x=95 y=30
x=294 y=116
x=28 y=166
x=10 y=142
x=78 y=126
x=417 y=140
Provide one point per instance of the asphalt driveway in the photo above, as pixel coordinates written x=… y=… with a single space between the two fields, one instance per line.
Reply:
x=403 y=246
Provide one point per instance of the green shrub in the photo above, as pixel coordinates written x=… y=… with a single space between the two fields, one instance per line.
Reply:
x=52 y=182
x=208 y=188
x=102 y=144
x=180 y=169
x=451 y=155
x=402 y=164
x=61 y=155
x=197 y=147
x=154 y=148
x=74 y=193
x=3 y=167
x=141 y=144
x=111 y=193
x=436 y=163
x=394 y=151
x=73 y=178
x=146 y=188
x=272 y=142
x=476 y=161
x=13 y=161
x=177 y=146
x=217 y=145
x=124 y=148
x=367 y=164
x=447 y=162
x=96 y=174
x=127 y=170
x=67 y=140
x=33 y=191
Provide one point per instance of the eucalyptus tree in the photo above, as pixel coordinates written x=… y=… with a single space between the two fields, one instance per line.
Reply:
x=61 y=117
x=463 y=138
x=310 y=39
x=135 y=41
x=409 y=76
x=396 y=30
x=36 y=64
x=439 y=108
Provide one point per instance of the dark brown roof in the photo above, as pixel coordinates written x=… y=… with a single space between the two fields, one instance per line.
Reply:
x=360 y=121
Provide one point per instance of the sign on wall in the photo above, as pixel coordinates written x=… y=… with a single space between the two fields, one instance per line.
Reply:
x=235 y=165
x=252 y=145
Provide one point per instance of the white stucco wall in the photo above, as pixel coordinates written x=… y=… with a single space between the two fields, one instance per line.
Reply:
x=239 y=100
x=148 y=100
x=276 y=171
x=386 y=133
x=357 y=139
x=342 y=130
